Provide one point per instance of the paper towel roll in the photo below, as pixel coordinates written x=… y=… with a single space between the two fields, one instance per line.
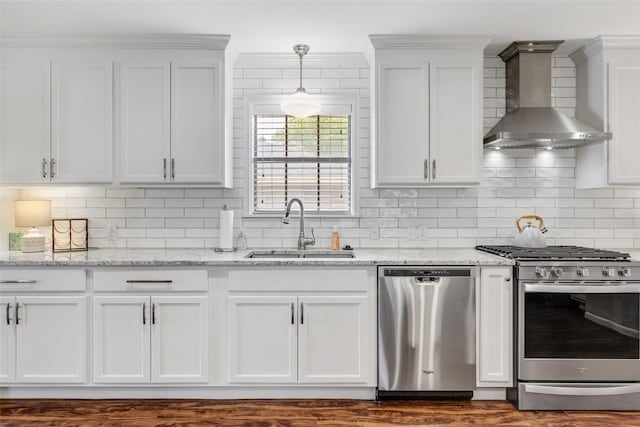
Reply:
x=226 y=229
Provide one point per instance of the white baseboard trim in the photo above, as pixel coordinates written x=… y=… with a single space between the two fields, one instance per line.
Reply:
x=360 y=393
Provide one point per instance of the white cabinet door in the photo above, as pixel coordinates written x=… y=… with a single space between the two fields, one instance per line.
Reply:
x=179 y=339
x=402 y=116
x=455 y=129
x=25 y=130
x=624 y=119
x=51 y=339
x=262 y=339
x=7 y=340
x=144 y=122
x=196 y=127
x=494 y=323
x=333 y=339
x=81 y=139
x=121 y=339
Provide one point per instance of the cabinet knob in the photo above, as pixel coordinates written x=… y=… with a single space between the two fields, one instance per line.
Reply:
x=507 y=279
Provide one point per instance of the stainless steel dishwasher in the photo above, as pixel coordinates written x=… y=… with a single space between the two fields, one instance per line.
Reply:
x=426 y=332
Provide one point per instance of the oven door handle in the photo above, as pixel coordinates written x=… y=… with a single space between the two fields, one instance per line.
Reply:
x=582 y=391
x=629 y=288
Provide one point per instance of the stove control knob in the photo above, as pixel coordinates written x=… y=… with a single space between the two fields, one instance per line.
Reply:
x=556 y=272
x=608 y=272
x=541 y=272
x=583 y=272
x=624 y=271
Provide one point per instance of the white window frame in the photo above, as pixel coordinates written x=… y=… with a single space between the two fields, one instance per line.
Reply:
x=331 y=104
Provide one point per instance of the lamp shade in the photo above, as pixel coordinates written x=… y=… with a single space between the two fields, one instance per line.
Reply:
x=31 y=213
x=300 y=104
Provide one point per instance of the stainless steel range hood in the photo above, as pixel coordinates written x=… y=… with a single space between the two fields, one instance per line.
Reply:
x=530 y=120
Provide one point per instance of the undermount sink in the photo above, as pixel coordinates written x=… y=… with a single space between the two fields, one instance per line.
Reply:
x=284 y=253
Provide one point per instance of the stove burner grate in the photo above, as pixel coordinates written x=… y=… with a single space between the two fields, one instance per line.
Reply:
x=576 y=253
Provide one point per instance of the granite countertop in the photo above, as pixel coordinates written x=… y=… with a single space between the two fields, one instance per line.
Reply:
x=208 y=257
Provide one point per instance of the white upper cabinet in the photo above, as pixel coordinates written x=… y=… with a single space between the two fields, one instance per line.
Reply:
x=196 y=123
x=427 y=100
x=81 y=127
x=166 y=122
x=143 y=121
x=608 y=98
x=25 y=130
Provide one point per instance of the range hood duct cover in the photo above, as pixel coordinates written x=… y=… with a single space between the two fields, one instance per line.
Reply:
x=530 y=121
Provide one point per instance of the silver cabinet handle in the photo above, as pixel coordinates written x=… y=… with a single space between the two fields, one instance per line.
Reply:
x=433 y=169
x=173 y=168
x=8 y=314
x=19 y=281
x=144 y=313
x=149 y=281
x=164 y=168
x=292 y=311
x=17 y=313
x=52 y=170
x=426 y=168
x=44 y=168
x=153 y=314
x=302 y=313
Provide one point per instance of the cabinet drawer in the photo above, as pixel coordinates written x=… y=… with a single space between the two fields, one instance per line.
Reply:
x=42 y=280
x=296 y=280
x=150 y=280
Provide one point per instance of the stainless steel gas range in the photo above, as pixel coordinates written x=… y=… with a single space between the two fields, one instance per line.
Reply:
x=577 y=328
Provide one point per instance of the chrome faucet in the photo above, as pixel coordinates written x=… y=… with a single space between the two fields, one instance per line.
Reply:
x=303 y=241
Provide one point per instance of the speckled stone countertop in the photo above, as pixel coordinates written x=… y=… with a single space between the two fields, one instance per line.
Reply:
x=208 y=257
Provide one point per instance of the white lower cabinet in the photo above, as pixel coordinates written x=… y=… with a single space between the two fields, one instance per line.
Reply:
x=494 y=323
x=43 y=339
x=263 y=339
x=282 y=330
x=158 y=339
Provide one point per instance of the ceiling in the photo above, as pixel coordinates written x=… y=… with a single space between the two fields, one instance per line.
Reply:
x=330 y=25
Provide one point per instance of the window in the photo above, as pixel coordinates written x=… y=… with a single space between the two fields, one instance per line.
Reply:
x=308 y=158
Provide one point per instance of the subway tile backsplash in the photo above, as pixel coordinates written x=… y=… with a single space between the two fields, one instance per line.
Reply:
x=515 y=182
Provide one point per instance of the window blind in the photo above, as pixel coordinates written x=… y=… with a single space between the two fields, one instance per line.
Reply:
x=306 y=158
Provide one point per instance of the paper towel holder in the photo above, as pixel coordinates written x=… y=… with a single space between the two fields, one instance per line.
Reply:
x=231 y=249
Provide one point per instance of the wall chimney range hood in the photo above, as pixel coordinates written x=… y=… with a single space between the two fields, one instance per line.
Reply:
x=530 y=121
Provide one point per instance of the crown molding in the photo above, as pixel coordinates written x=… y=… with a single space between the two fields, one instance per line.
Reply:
x=412 y=41
x=118 y=41
x=601 y=43
x=273 y=60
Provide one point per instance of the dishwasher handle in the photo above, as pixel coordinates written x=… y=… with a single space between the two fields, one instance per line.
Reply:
x=421 y=272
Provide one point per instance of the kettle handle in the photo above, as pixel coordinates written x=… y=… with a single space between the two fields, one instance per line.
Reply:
x=536 y=217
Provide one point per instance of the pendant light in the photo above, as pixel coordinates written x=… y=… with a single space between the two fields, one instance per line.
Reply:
x=300 y=104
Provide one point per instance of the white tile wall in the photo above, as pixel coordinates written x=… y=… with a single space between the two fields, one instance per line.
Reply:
x=515 y=182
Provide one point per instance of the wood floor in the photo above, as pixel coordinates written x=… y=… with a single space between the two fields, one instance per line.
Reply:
x=292 y=413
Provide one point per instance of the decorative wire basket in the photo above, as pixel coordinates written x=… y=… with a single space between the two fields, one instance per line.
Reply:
x=70 y=234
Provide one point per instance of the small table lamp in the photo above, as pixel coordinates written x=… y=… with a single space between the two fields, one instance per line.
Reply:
x=31 y=213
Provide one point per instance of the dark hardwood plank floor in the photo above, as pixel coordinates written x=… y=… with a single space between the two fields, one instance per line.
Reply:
x=64 y=412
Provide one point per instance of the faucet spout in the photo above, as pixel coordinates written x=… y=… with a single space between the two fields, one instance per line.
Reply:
x=303 y=241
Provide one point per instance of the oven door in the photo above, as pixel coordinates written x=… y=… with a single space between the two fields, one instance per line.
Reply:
x=578 y=332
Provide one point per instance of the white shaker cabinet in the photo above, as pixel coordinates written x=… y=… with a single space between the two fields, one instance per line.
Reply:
x=143 y=125
x=25 y=117
x=81 y=124
x=263 y=339
x=56 y=122
x=608 y=98
x=43 y=339
x=428 y=108
x=170 y=122
x=282 y=329
x=333 y=342
x=157 y=339
x=494 y=324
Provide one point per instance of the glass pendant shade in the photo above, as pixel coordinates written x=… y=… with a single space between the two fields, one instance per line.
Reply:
x=300 y=104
